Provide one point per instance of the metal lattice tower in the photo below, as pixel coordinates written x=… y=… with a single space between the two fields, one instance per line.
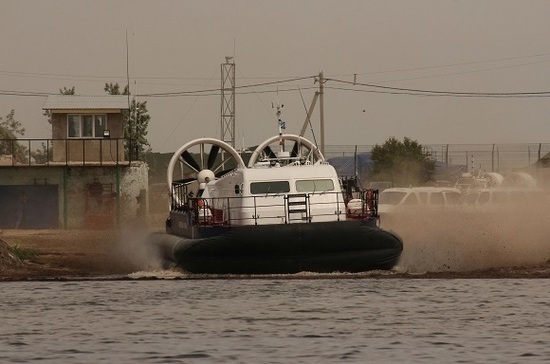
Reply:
x=228 y=102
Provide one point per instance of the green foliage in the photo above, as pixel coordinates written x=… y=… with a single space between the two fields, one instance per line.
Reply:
x=403 y=163
x=67 y=91
x=11 y=126
x=43 y=154
x=114 y=89
x=136 y=122
x=23 y=253
x=10 y=129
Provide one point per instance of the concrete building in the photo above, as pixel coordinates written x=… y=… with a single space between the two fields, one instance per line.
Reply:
x=88 y=128
x=83 y=178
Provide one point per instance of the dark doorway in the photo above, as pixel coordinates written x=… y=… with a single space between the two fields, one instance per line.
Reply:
x=29 y=207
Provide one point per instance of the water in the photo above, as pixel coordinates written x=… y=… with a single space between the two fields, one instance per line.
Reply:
x=276 y=320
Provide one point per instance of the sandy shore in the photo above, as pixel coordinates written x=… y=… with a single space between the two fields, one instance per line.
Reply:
x=66 y=253
x=93 y=254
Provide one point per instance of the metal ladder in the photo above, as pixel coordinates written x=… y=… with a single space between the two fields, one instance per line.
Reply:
x=297 y=204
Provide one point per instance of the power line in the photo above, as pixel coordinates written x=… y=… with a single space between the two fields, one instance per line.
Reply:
x=413 y=91
x=380 y=89
x=466 y=72
x=432 y=94
x=195 y=92
x=458 y=64
x=25 y=93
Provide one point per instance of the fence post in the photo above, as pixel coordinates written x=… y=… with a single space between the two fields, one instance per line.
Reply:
x=498 y=160
x=117 y=195
x=48 y=152
x=65 y=202
x=493 y=159
x=13 y=156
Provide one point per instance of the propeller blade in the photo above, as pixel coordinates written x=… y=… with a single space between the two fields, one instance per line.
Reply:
x=269 y=152
x=212 y=156
x=190 y=161
x=221 y=173
x=184 y=181
x=294 y=152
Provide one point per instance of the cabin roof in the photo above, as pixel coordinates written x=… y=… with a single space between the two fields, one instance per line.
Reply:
x=289 y=172
x=72 y=102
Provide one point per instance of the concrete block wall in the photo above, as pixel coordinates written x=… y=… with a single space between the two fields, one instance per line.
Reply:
x=121 y=198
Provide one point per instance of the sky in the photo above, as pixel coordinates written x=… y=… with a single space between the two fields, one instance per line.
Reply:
x=489 y=46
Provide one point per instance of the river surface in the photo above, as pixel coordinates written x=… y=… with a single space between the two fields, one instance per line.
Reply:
x=276 y=320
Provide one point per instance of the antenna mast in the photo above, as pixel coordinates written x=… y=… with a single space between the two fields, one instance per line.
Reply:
x=280 y=124
x=228 y=101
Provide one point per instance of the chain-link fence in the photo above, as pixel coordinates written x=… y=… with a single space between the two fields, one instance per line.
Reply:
x=501 y=158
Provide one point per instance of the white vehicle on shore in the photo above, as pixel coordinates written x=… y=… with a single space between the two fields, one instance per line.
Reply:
x=411 y=198
x=501 y=199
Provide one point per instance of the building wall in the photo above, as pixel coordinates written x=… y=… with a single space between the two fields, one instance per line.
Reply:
x=87 y=149
x=88 y=197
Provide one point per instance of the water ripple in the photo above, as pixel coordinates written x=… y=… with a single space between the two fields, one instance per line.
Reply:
x=276 y=320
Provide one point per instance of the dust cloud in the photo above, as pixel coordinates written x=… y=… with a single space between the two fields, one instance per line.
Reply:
x=461 y=240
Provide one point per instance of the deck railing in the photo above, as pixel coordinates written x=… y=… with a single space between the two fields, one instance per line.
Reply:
x=272 y=208
x=70 y=152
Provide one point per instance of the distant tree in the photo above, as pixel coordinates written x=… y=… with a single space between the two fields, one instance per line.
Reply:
x=42 y=155
x=403 y=163
x=136 y=122
x=114 y=89
x=10 y=130
x=67 y=91
x=11 y=125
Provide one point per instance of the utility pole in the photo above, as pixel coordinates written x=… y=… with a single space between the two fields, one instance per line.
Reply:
x=322 y=111
x=318 y=96
x=228 y=101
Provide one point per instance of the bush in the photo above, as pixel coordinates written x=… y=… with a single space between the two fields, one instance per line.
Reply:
x=23 y=253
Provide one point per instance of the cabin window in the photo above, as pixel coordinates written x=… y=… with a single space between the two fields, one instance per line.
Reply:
x=411 y=200
x=453 y=198
x=471 y=198
x=436 y=198
x=314 y=185
x=423 y=197
x=257 y=188
x=100 y=123
x=86 y=126
x=391 y=197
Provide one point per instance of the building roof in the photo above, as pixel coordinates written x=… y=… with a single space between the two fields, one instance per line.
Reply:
x=72 y=102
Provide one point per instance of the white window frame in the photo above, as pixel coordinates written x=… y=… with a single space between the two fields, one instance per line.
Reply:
x=80 y=126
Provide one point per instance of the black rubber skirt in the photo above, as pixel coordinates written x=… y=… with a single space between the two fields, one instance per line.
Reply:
x=342 y=246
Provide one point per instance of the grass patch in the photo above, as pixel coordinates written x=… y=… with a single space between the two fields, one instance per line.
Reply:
x=23 y=253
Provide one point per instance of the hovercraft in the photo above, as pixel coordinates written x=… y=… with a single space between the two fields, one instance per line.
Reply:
x=283 y=212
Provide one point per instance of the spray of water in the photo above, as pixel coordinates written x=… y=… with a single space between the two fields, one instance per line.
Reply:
x=133 y=252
